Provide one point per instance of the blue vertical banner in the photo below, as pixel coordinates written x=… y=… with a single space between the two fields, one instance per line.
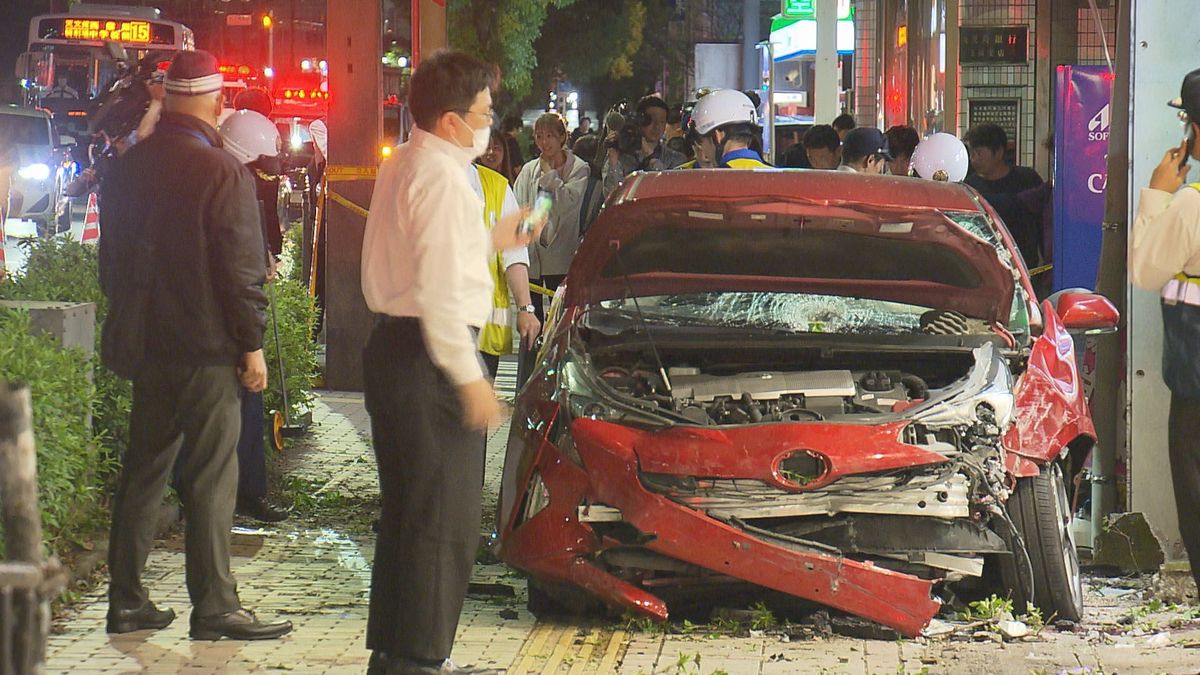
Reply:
x=1084 y=96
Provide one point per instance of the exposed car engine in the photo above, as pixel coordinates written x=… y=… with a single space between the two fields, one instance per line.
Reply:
x=770 y=396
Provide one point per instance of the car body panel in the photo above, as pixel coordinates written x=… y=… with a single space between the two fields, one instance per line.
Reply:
x=587 y=467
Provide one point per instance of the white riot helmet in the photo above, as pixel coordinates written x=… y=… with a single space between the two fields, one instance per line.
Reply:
x=248 y=135
x=941 y=157
x=721 y=107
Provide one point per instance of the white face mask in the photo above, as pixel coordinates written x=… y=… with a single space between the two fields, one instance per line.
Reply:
x=481 y=139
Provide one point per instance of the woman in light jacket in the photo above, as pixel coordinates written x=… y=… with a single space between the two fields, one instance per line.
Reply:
x=559 y=171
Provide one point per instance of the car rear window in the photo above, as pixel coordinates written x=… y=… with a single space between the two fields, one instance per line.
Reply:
x=23 y=130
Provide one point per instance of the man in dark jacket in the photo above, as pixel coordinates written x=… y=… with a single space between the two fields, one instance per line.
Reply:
x=181 y=262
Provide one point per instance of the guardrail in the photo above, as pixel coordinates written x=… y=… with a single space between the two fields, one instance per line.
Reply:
x=28 y=579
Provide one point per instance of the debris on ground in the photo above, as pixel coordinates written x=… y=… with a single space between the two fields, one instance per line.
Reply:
x=1012 y=630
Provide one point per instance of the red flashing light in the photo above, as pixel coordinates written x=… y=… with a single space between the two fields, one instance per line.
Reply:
x=163 y=65
x=306 y=95
x=238 y=70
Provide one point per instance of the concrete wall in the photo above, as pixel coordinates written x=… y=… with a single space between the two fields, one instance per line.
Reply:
x=1165 y=35
x=719 y=66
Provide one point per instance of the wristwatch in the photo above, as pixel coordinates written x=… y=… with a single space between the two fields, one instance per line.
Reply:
x=525 y=308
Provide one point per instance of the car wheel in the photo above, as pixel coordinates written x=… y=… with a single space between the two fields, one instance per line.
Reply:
x=1042 y=515
x=548 y=600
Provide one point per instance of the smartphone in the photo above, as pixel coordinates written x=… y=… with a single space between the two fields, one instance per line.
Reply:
x=541 y=209
x=1187 y=155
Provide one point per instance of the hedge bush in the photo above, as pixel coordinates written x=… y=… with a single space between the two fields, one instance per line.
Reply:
x=76 y=465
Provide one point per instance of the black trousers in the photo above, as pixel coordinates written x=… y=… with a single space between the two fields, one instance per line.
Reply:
x=251 y=448
x=430 y=472
x=174 y=406
x=1183 y=441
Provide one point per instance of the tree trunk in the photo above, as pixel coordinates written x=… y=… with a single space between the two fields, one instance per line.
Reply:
x=28 y=619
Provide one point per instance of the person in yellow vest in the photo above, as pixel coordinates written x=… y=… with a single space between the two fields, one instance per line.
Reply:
x=726 y=122
x=1164 y=253
x=510 y=272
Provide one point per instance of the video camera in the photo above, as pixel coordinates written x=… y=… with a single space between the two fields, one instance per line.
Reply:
x=623 y=120
x=121 y=107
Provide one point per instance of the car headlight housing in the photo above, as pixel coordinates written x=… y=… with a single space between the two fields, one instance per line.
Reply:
x=585 y=398
x=37 y=171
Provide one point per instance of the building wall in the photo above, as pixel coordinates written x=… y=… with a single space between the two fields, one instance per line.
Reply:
x=1003 y=81
x=867 y=77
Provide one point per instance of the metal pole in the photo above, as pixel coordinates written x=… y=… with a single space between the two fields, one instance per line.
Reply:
x=826 y=105
x=750 y=31
x=1111 y=282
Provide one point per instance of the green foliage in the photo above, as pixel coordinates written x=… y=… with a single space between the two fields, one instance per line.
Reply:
x=72 y=467
x=68 y=271
x=297 y=316
x=501 y=32
x=989 y=609
x=763 y=618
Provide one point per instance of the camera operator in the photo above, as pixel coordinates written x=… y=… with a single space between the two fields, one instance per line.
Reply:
x=638 y=144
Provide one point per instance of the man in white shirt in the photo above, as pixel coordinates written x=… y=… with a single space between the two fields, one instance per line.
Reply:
x=1164 y=253
x=425 y=271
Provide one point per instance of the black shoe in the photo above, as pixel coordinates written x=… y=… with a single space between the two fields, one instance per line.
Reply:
x=237 y=625
x=146 y=617
x=261 y=510
x=378 y=664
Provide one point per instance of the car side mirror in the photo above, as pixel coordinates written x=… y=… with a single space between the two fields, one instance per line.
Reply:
x=1087 y=313
x=66 y=140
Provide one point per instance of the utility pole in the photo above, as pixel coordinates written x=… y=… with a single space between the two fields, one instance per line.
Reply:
x=428 y=28
x=352 y=38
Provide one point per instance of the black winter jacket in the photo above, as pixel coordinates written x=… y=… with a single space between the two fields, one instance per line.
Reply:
x=179 y=217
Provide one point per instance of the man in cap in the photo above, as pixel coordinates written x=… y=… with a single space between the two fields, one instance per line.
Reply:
x=182 y=265
x=864 y=150
x=1164 y=253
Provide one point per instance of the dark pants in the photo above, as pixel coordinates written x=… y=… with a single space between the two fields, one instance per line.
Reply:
x=251 y=449
x=175 y=406
x=430 y=470
x=525 y=362
x=1183 y=441
x=492 y=363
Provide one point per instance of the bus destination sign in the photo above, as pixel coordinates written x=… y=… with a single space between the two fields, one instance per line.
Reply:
x=123 y=31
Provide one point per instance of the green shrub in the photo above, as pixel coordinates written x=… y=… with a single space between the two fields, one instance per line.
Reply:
x=68 y=271
x=297 y=315
x=72 y=465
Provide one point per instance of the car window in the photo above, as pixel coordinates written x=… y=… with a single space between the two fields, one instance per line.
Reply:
x=23 y=130
x=791 y=312
x=981 y=226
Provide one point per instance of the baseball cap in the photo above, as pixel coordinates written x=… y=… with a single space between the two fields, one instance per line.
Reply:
x=864 y=142
x=1189 y=96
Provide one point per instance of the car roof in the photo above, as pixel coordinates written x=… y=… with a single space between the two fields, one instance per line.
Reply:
x=829 y=187
x=23 y=112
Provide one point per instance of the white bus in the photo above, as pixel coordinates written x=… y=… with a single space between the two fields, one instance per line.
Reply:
x=69 y=60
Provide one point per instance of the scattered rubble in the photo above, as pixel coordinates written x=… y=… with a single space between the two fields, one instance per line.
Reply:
x=1128 y=544
x=1012 y=630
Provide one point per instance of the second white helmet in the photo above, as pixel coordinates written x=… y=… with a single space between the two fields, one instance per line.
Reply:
x=941 y=157
x=248 y=135
x=721 y=107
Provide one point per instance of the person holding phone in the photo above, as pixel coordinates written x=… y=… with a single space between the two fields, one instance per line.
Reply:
x=425 y=272
x=1164 y=255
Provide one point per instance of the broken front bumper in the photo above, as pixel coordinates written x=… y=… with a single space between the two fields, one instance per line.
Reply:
x=551 y=542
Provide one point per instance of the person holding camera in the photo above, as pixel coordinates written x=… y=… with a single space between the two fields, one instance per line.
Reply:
x=726 y=123
x=182 y=264
x=1164 y=254
x=638 y=145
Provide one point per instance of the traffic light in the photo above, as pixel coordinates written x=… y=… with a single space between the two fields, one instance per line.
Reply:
x=266 y=21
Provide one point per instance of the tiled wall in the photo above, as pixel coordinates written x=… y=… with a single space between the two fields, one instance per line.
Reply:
x=1003 y=81
x=866 y=75
x=1091 y=47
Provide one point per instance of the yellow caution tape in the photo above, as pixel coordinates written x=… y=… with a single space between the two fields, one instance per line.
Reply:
x=541 y=290
x=345 y=172
x=1040 y=270
x=347 y=203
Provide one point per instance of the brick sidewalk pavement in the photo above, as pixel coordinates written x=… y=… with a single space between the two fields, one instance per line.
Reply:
x=318 y=574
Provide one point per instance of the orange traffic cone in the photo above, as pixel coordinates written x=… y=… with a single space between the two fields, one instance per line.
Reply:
x=91 y=222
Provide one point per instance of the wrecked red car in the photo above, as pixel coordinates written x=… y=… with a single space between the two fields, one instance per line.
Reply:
x=835 y=386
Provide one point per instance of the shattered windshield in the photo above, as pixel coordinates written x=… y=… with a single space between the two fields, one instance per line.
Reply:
x=981 y=226
x=796 y=313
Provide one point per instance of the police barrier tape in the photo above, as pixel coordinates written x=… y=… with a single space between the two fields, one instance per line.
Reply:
x=339 y=173
x=1040 y=270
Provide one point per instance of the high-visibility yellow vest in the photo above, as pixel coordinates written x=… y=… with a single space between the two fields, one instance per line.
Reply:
x=496 y=337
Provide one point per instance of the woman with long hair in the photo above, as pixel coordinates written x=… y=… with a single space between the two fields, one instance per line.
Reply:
x=496 y=158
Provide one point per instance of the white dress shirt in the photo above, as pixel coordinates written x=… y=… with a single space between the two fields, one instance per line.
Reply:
x=513 y=256
x=1166 y=237
x=424 y=253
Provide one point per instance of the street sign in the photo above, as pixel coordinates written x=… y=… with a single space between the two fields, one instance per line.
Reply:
x=993 y=44
x=807 y=9
x=238 y=19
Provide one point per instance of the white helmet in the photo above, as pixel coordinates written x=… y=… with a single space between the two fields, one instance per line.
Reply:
x=320 y=134
x=941 y=157
x=248 y=135
x=721 y=107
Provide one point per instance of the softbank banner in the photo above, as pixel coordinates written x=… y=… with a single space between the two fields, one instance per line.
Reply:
x=1084 y=95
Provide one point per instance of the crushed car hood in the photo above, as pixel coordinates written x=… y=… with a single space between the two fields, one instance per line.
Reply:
x=665 y=245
